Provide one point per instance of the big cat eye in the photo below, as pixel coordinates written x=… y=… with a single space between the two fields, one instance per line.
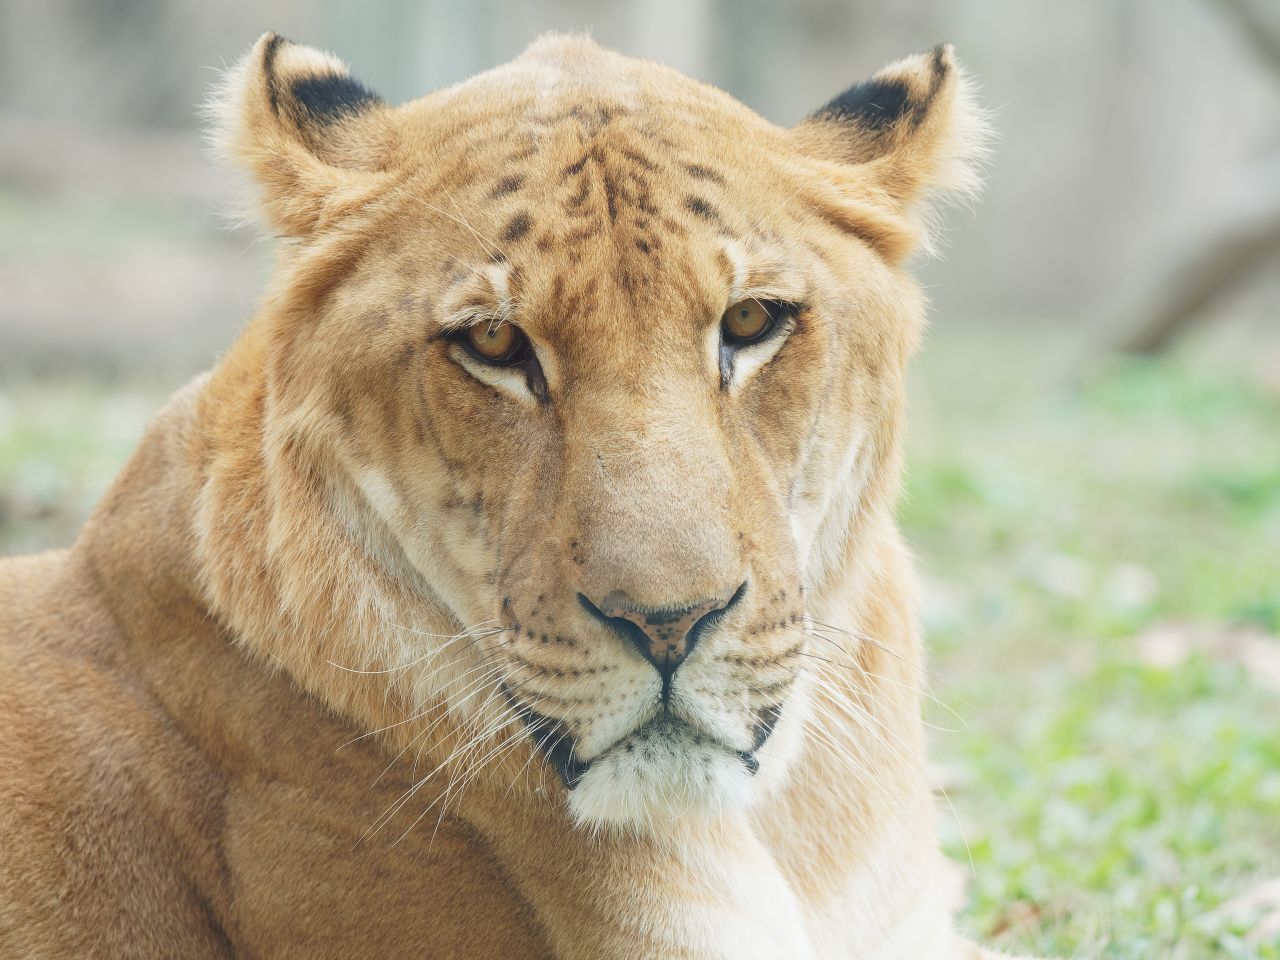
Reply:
x=749 y=321
x=499 y=344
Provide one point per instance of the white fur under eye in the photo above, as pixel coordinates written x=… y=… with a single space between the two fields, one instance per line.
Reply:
x=510 y=380
x=748 y=359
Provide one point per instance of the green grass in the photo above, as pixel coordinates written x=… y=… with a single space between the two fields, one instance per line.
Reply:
x=1110 y=805
x=61 y=443
x=1102 y=804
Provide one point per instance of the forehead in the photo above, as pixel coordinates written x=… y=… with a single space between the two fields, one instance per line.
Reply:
x=574 y=174
x=568 y=85
x=576 y=188
x=570 y=129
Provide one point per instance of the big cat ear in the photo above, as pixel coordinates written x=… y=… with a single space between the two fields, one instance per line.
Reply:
x=313 y=138
x=914 y=130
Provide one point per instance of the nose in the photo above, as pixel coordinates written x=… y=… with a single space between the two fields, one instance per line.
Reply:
x=666 y=636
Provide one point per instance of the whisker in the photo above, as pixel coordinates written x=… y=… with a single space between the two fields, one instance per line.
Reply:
x=855 y=665
x=410 y=719
x=473 y=631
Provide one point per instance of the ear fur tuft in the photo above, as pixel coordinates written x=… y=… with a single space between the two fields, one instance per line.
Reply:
x=310 y=135
x=913 y=132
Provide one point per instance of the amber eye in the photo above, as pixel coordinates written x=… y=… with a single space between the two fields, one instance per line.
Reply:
x=500 y=344
x=749 y=320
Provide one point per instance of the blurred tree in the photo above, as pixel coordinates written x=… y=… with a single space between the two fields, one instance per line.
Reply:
x=1247 y=237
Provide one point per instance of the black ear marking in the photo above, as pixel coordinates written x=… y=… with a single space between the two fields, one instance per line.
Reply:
x=872 y=104
x=323 y=97
x=331 y=97
x=269 y=70
x=881 y=102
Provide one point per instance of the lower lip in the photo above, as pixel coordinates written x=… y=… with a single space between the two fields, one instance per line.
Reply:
x=555 y=744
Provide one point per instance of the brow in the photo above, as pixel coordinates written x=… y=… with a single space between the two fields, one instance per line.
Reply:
x=483 y=296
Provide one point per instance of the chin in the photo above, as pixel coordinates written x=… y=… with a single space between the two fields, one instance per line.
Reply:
x=668 y=770
x=662 y=772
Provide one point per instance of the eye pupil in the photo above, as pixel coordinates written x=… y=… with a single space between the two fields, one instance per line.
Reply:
x=501 y=344
x=749 y=321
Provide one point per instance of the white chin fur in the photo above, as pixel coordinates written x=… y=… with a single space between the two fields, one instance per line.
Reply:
x=659 y=773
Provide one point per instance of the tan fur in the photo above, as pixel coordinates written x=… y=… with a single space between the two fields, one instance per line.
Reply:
x=268 y=704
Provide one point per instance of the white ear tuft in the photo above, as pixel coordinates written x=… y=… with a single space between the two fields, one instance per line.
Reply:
x=306 y=131
x=914 y=133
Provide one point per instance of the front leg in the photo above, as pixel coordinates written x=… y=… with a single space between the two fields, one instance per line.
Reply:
x=702 y=891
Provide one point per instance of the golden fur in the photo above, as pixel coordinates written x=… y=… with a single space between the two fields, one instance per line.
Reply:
x=297 y=688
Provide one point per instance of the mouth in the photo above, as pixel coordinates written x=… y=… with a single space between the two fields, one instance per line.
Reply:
x=553 y=740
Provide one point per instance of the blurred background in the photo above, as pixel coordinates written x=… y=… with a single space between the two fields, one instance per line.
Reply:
x=1094 y=466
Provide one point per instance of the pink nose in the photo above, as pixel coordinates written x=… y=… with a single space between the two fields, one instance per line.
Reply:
x=667 y=632
x=664 y=637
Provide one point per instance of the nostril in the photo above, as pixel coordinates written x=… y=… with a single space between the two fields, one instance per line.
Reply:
x=626 y=627
x=664 y=636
